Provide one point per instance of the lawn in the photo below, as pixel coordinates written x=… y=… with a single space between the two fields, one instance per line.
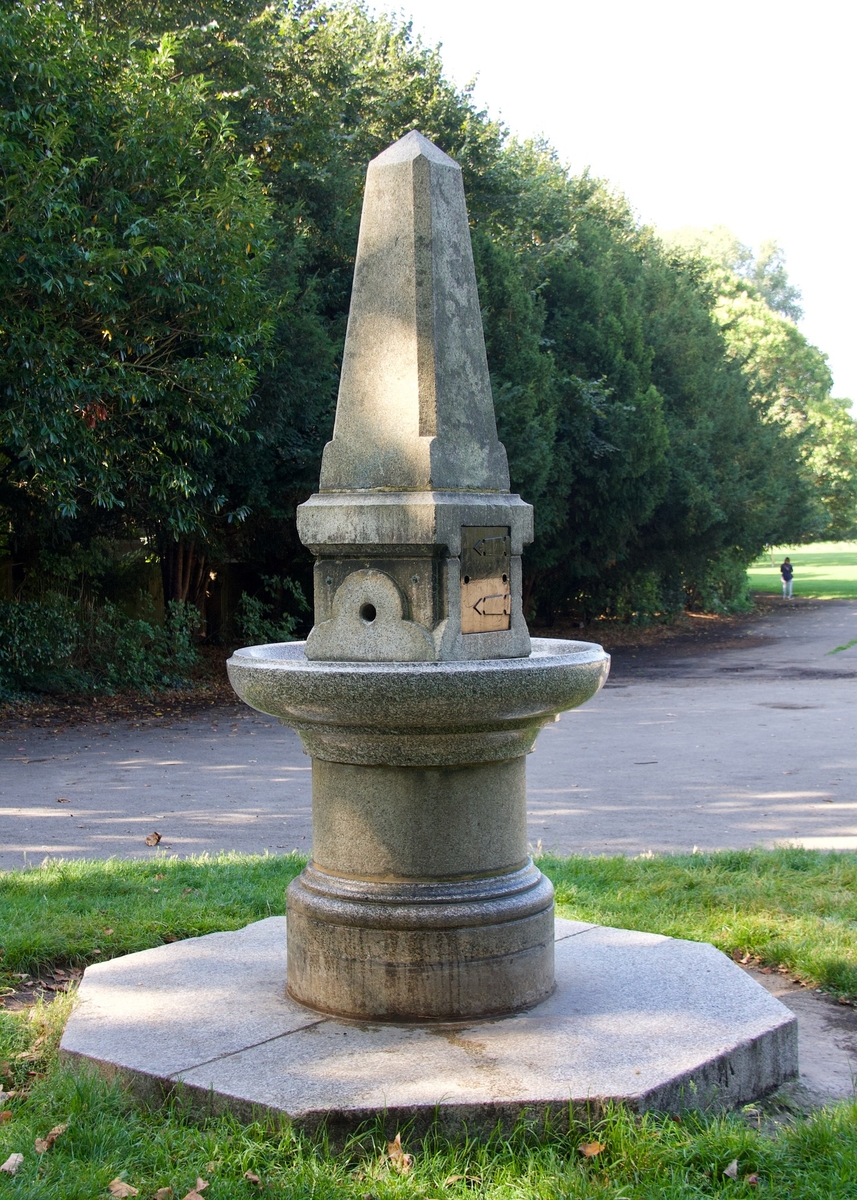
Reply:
x=793 y=909
x=824 y=570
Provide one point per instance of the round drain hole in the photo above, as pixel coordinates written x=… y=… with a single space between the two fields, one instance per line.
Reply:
x=368 y=613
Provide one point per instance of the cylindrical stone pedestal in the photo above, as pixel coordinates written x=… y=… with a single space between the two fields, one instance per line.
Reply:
x=420 y=902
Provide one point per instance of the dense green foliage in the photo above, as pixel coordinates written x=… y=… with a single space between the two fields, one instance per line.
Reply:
x=53 y=645
x=132 y=237
x=182 y=188
x=789 y=378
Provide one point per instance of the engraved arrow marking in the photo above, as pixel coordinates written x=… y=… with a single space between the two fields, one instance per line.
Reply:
x=504 y=611
x=484 y=541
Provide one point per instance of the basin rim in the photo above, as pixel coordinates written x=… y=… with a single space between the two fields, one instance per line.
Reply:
x=546 y=654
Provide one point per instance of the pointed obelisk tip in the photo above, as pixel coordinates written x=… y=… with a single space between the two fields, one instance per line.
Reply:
x=413 y=145
x=415 y=409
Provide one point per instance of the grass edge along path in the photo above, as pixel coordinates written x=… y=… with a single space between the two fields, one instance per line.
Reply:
x=783 y=905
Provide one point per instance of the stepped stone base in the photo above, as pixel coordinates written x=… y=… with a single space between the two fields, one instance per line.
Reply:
x=648 y=1021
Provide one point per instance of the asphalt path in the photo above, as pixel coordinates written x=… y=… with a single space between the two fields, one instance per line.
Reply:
x=707 y=742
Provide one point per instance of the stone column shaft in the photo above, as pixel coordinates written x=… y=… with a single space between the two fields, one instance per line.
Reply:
x=421 y=902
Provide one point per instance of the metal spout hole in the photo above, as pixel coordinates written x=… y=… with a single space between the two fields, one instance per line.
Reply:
x=368 y=613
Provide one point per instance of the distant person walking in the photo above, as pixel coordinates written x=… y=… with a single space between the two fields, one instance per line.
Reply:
x=787 y=571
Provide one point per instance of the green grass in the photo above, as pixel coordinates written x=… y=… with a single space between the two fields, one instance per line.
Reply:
x=649 y=1158
x=71 y=912
x=789 y=906
x=824 y=571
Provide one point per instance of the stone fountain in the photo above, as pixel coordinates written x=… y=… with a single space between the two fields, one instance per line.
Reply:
x=426 y=974
x=418 y=693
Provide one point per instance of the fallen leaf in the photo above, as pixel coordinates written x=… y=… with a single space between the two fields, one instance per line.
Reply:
x=6 y=1115
x=160 y=877
x=10 y=1166
x=731 y=1172
x=753 y=1180
x=458 y=1178
x=32 y=1052
x=153 y=838
x=163 y=1193
x=398 y=1158
x=63 y=800
x=251 y=1177
x=43 y=1144
x=590 y=1149
x=108 y=930
x=195 y=1193
x=120 y=1188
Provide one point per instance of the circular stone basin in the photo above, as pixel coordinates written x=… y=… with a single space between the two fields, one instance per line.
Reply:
x=418 y=713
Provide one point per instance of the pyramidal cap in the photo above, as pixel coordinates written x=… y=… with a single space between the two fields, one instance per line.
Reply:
x=417 y=537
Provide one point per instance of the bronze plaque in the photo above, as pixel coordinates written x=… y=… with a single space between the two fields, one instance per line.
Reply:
x=486 y=593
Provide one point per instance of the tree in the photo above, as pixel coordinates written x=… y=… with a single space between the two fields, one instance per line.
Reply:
x=132 y=243
x=766 y=271
x=789 y=379
x=187 y=177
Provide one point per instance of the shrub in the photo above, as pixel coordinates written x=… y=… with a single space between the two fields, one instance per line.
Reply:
x=37 y=640
x=256 y=620
x=55 y=645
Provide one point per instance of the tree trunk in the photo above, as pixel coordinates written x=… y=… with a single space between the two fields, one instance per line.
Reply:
x=183 y=572
x=529 y=584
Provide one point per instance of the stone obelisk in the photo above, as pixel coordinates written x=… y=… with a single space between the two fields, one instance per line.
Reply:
x=414 y=520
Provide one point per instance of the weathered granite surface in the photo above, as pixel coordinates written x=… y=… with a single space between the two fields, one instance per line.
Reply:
x=418 y=690
x=418 y=713
x=415 y=411
x=415 y=457
x=421 y=900
x=648 y=1021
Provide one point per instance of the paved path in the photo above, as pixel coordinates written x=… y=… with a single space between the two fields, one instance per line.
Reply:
x=710 y=743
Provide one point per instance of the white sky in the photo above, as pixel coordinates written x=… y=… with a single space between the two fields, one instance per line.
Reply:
x=738 y=113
